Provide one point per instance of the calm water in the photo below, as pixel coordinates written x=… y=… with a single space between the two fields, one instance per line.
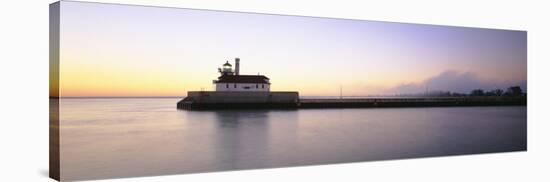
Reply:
x=109 y=138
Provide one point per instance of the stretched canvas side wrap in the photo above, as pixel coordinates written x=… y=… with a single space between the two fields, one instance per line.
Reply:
x=145 y=91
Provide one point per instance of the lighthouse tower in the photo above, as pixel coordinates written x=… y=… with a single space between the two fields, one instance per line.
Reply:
x=226 y=69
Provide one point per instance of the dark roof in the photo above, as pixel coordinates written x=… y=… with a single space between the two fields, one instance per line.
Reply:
x=243 y=79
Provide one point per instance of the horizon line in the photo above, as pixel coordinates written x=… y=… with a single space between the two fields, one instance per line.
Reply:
x=154 y=97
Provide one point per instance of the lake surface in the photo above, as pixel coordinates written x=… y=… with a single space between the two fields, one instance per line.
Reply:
x=111 y=138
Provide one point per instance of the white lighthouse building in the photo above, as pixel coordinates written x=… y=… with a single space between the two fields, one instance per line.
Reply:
x=231 y=80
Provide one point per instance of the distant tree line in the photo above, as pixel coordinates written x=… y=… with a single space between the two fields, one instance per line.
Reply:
x=513 y=91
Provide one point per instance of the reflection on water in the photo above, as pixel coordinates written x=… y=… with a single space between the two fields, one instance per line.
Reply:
x=109 y=138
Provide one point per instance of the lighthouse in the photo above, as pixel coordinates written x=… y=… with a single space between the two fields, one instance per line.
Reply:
x=236 y=90
x=231 y=80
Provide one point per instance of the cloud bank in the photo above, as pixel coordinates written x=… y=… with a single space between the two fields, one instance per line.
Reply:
x=454 y=81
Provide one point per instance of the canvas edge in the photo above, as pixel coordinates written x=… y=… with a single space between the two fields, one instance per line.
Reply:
x=54 y=55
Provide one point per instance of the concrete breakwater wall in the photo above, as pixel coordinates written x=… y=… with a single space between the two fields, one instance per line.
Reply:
x=230 y=100
x=413 y=102
x=291 y=100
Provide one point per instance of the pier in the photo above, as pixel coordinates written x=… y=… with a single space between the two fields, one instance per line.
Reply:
x=412 y=102
x=205 y=100
x=290 y=100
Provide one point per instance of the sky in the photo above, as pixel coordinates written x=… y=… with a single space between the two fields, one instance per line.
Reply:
x=119 y=50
